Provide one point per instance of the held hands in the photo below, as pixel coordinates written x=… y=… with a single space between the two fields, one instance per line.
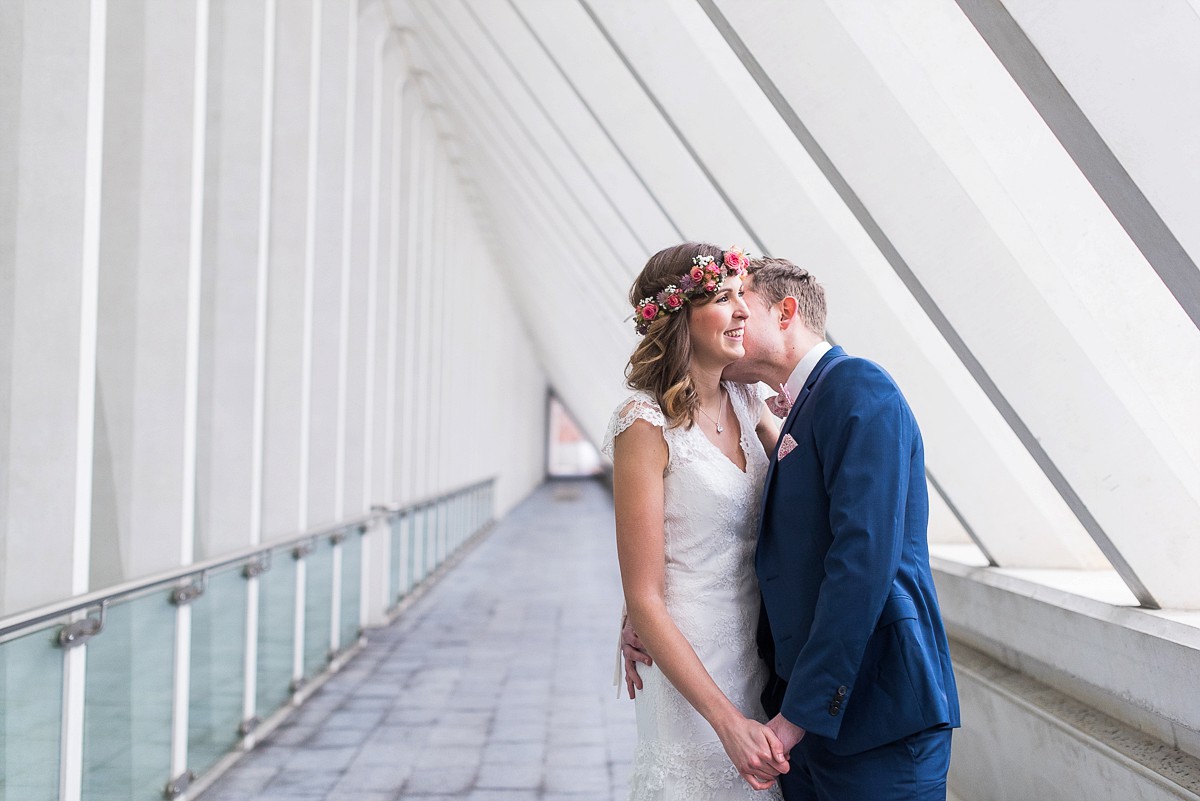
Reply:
x=633 y=652
x=755 y=751
x=758 y=752
x=786 y=732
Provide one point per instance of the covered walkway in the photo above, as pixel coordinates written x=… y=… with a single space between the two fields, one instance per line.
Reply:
x=287 y=290
x=492 y=686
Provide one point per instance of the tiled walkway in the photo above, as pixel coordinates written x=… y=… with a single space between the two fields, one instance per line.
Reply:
x=494 y=686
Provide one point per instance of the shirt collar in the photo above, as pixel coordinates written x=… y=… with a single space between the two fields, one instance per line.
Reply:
x=799 y=376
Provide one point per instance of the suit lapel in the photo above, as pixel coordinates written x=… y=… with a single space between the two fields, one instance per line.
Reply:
x=834 y=354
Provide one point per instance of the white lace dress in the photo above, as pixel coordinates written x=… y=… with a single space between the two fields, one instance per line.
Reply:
x=710 y=520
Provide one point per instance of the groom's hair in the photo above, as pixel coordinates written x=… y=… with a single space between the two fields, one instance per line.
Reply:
x=776 y=279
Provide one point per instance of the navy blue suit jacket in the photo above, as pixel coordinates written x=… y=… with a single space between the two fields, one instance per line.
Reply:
x=850 y=618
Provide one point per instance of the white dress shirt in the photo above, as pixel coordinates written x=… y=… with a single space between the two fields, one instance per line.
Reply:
x=804 y=369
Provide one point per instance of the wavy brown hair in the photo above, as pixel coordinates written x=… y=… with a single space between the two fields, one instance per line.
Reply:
x=659 y=364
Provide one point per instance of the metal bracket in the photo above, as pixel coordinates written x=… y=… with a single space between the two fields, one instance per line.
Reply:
x=178 y=786
x=182 y=596
x=362 y=530
x=257 y=566
x=337 y=537
x=81 y=631
x=248 y=725
x=302 y=550
x=297 y=685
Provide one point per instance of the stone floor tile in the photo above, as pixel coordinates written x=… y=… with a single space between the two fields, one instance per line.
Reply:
x=510 y=775
x=514 y=753
x=333 y=760
x=446 y=779
x=583 y=779
x=389 y=777
x=360 y=795
x=337 y=738
x=354 y=719
x=499 y=795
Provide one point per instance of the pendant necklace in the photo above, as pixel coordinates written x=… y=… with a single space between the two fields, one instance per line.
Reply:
x=720 y=414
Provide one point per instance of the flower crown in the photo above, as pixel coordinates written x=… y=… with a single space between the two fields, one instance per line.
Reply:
x=703 y=279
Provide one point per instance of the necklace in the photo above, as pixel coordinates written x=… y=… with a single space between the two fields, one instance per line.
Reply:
x=720 y=414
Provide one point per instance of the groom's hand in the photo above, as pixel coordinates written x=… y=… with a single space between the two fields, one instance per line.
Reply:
x=754 y=750
x=788 y=733
x=633 y=651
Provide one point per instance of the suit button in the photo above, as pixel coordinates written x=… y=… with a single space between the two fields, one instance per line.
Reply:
x=834 y=708
x=841 y=691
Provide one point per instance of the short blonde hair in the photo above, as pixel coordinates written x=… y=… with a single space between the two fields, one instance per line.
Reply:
x=776 y=279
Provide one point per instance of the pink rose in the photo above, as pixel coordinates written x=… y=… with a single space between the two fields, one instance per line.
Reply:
x=697 y=274
x=674 y=301
x=711 y=286
x=649 y=311
x=736 y=260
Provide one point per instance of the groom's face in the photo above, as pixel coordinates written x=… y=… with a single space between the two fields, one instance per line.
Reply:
x=760 y=340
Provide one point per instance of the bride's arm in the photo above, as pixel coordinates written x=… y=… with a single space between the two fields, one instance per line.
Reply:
x=639 y=460
x=767 y=428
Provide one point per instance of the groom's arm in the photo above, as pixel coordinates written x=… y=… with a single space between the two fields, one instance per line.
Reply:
x=632 y=652
x=863 y=433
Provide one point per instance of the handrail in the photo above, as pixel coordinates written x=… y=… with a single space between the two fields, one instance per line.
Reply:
x=35 y=617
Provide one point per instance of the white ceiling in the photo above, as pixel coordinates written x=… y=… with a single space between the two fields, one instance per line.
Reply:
x=1000 y=198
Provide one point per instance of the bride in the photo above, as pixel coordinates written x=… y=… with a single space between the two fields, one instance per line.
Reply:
x=687 y=479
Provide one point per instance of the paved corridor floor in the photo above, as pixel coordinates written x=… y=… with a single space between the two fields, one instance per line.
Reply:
x=494 y=686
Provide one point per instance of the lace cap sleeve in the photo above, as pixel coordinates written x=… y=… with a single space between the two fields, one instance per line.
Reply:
x=636 y=407
x=750 y=395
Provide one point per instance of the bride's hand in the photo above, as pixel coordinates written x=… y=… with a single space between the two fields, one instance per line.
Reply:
x=755 y=751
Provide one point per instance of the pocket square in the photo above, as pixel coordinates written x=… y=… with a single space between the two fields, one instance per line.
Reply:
x=786 y=446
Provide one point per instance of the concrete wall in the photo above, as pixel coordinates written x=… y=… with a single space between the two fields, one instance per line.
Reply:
x=1066 y=695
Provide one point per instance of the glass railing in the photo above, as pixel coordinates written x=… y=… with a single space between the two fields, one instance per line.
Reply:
x=151 y=689
x=424 y=535
x=31 y=696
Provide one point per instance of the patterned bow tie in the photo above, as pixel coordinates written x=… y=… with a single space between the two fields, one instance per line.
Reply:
x=781 y=404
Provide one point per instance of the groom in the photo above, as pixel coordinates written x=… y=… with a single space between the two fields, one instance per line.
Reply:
x=861 y=691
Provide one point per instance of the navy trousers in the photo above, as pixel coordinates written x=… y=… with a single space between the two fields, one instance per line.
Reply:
x=911 y=769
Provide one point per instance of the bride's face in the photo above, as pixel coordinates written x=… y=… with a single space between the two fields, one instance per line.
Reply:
x=716 y=327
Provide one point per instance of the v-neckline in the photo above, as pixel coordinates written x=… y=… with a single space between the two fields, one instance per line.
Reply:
x=741 y=439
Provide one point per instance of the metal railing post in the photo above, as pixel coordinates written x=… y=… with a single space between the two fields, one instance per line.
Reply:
x=70 y=784
x=335 y=597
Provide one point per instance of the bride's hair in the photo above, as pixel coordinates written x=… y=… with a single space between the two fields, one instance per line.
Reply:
x=659 y=364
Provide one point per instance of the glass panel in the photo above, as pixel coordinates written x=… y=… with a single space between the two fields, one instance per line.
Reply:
x=439 y=533
x=31 y=678
x=396 y=531
x=276 y=632
x=460 y=521
x=406 y=551
x=318 y=606
x=351 y=587
x=127 y=711
x=431 y=553
x=416 y=548
x=426 y=530
x=218 y=669
x=444 y=529
x=468 y=506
